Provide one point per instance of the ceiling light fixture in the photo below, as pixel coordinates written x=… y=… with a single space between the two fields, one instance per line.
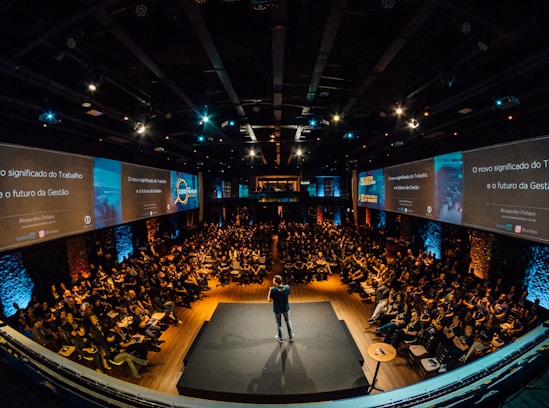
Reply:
x=71 y=43
x=413 y=124
x=466 y=27
x=141 y=10
x=139 y=128
x=349 y=136
x=49 y=118
x=482 y=46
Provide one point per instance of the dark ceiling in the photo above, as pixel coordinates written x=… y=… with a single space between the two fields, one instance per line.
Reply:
x=272 y=67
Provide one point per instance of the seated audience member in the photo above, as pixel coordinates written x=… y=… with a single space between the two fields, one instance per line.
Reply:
x=87 y=349
x=451 y=329
x=384 y=296
x=245 y=272
x=459 y=348
x=98 y=332
x=407 y=333
x=145 y=325
x=182 y=297
x=515 y=326
x=310 y=268
x=436 y=326
x=398 y=322
x=533 y=314
x=483 y=340
x=60 y=324
x=44 y=335
x=136 y=344
x=144 y=298
x=119 y=351
x=344 y=263
x=162 y=304
x=45 y=312
x=427 y=313
x=322 y=266
x=395 y=306
x=288 y=268
x=19 y=322
x=500 y=308
x=222 y=271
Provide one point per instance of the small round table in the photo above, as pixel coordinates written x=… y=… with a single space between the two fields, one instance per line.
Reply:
x=380 y=352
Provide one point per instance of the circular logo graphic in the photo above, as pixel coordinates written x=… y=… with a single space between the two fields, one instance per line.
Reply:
x=181 y=191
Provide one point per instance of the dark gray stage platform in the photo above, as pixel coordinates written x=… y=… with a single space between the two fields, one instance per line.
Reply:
x=236 y=358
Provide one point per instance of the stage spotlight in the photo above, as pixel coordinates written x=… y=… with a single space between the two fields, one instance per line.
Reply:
x=349 y=136
x=139 y=128
x=507 y=102
x=49 y=118
x=228 y=123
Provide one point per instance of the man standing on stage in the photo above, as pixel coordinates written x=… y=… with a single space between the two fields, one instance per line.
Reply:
x=278 y=294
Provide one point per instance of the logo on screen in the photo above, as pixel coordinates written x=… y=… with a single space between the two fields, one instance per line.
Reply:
x=41 y=233
x=518 y=229
x=181 y=191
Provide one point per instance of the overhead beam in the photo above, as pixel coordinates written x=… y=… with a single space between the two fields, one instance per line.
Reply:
x=278 y=17
x=393 y=50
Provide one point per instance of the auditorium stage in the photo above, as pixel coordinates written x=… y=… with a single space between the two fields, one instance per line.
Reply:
x=236 y=358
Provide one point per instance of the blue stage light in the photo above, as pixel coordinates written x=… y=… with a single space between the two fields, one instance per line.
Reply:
x=49 y=117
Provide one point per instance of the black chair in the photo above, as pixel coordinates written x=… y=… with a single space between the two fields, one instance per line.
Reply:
x=429 y=366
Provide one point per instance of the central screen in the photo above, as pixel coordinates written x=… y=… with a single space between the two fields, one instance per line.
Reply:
x=409 y=188
x=145 y=192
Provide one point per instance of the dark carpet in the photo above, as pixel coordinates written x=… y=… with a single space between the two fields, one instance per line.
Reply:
x=236 y=357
